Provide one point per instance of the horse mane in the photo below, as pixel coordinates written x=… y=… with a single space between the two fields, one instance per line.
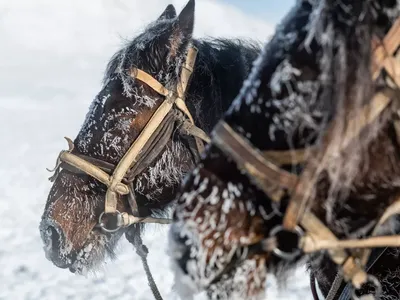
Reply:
x=346 y=82
x=215 y=58
x=316 y=70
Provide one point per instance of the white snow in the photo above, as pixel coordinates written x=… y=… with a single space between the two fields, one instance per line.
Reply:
x=52 y=58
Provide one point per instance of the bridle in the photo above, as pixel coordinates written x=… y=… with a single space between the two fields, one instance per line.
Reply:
x=264 y=170
x=147 y=146
x=151 y=141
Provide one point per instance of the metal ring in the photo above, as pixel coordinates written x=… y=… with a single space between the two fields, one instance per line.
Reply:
x=104 y=228
x=378 y=289
x=283 y=254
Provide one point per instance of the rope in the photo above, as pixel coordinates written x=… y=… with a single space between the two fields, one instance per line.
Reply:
x=335 y=286
x=136 y=240
x=313 y=287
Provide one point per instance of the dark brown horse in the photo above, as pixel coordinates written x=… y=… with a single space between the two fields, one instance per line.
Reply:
x=116 y=118
x=311 y=82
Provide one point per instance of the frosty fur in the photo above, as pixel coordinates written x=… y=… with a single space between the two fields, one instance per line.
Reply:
x=313 y=72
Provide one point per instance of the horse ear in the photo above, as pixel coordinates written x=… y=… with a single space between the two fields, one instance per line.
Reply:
x=169 y=13
x=186 y=18
x=183 y=30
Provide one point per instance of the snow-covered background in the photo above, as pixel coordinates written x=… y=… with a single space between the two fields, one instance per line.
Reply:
x=52 y=57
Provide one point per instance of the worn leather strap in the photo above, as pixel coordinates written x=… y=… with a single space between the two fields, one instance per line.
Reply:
x=267 y=176
x=92 y=170
x=150 y=81
x=131 y=155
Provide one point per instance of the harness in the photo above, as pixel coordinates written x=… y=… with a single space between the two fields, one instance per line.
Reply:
x=264 y=169
x=148 y=145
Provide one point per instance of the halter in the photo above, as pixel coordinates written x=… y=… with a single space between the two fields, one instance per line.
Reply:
x=150 y=142
x=264 y=170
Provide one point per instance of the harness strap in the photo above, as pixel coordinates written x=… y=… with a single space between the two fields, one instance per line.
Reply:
x=131 y=155
x=289 y=157
x=93 y=171
x=187 y=70
x=189 y=129
x=150 y=81
x=386 y=48
x=267 y=176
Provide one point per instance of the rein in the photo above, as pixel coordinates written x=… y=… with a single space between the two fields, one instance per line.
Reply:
x=263 y=169
x=143 y=151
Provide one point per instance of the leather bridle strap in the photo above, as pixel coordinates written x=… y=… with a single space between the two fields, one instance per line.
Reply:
x=266 y=175
x=131 y=155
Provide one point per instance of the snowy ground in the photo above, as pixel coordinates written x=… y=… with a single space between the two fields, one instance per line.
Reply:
x=53 y=54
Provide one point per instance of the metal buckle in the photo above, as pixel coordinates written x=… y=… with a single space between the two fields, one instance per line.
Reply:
x=378 y=289
x=281 y=253
x=103 y=227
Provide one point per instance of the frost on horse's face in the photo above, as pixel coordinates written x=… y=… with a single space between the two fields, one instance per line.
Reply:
x=115 y=118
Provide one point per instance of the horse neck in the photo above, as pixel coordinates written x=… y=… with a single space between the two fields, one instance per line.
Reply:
x=220 y=69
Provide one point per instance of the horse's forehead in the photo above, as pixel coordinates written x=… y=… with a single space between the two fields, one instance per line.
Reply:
x=96 y=111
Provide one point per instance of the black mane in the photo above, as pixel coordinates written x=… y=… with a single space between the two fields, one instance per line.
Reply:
x=217 y=58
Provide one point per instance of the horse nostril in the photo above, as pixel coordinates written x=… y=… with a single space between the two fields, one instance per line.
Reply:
x=53 y=239
x=54 y=244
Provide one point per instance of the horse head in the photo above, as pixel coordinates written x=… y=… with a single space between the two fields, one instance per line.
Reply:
x=116 y=118
x=294 y=148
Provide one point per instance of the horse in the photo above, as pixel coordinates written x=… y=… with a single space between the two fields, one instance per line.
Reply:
x=80 y=224
x=308 y=151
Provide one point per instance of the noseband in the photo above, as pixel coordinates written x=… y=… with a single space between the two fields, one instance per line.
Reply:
x=264 y=170
x=147 y=146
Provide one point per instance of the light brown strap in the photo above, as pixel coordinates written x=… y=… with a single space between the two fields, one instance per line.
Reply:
x=180 y=103
x=187 y=70
x=267 y=176
x=150 y=81
x=390 y=44
x=289 y=157
x=129 y=159
x=92 y=170
x=190 y=129
x=352 y=271
x=310 y=245
x=131 y=155
x=392 y=210
x=128 y=220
